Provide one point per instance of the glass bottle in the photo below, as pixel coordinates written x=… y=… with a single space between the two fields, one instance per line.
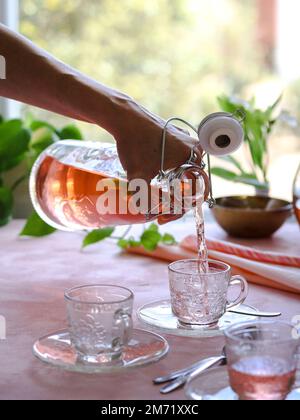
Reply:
x=82 y=185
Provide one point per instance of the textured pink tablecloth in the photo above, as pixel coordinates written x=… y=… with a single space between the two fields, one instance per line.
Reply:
x=33 y=276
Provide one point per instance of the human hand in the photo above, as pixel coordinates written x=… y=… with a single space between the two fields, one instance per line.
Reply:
x=139 y=142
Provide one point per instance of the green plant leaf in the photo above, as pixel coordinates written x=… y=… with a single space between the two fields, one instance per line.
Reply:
x=37 y=124
x=43 y=138
x=248 y=179
x=150 y=239
x=257 y=128
x=271 y=126
x=7 y=164
x=227 y=105
x=254 y=126
x=97 y=236
x=253 y=181
x=70 y=132
x=233 y=161
x=6 y=205
x=36 y=227
x=123 y=243
x=257 y=152
x=128 y=243
x=224 y=173
x=153 y=228
x=272 y=108
x=169 y=239
x=258 y=125
x=14 y=139
x=134 y=242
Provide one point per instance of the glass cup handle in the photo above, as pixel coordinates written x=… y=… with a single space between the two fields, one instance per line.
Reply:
x=126 y=320
x=244 y=291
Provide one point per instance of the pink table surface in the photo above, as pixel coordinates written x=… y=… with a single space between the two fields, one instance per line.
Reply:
x=33 y=276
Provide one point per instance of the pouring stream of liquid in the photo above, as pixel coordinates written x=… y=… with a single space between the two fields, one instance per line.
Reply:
x=203 y=265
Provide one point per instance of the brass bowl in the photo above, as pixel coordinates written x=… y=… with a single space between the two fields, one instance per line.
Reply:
x=251 y=217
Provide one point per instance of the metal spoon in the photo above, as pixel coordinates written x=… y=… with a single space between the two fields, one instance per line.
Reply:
x=174 y=375
x=182 y=379
x=255 y=314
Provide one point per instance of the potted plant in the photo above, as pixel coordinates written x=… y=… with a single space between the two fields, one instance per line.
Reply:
x=260 y=215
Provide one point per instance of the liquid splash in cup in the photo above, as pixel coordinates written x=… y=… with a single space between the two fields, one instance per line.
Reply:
x=202 y=298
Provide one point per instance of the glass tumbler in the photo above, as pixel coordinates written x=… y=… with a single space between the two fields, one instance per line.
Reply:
x=262 y=359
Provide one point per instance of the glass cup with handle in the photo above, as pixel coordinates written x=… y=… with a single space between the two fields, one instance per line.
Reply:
x=262 y=359
x=202 y=298
x=100 y=321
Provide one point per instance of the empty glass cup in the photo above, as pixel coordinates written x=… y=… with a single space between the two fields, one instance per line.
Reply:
x=100 y=321
x=262 y=359
x=202 y=298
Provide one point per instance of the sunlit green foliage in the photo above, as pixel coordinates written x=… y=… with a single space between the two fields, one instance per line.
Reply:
x=175 y=56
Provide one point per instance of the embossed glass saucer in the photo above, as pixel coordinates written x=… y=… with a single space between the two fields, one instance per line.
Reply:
x=144 y=348
x=159 y=317
x=214 y=385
